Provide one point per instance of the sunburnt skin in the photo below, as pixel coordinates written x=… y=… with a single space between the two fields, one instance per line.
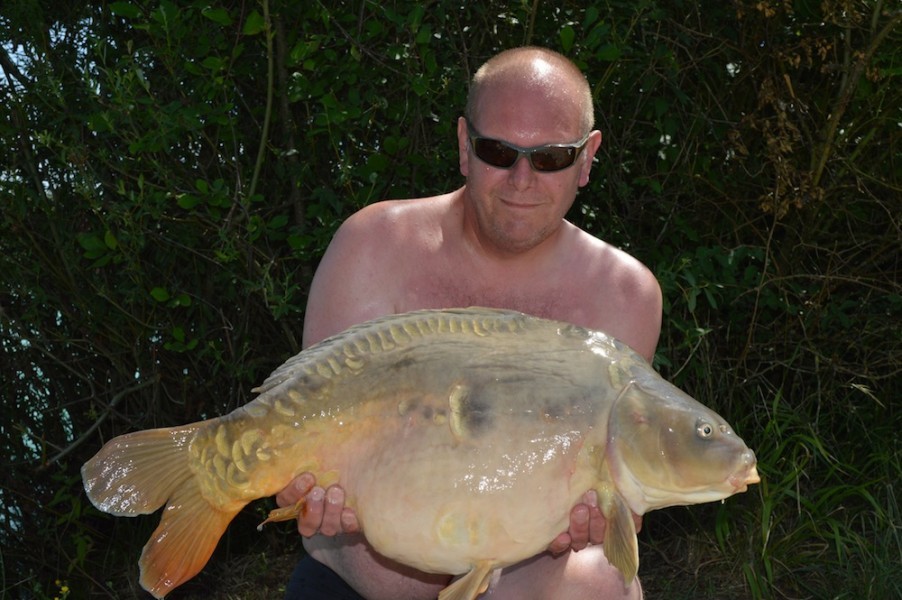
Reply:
x=462 y=439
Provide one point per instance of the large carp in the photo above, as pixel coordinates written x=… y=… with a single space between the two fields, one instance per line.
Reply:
x=462 y=439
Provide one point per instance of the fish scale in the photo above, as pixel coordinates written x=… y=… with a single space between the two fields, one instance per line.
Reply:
x=462 y=439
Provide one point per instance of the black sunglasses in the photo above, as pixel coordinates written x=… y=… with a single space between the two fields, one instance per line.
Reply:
x=504 y=155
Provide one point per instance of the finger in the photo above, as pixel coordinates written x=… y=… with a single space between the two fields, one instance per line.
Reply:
x=579 y=527
x=560 y=544
x=349 y=522
x=597 y=523
x=299 y=487
x=335 y=502
x=311 y=519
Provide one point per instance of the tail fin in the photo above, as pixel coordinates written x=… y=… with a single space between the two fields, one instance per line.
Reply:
x=140 y=472
x=135 y=474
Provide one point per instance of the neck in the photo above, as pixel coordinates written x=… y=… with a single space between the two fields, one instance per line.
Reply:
x=486 y=249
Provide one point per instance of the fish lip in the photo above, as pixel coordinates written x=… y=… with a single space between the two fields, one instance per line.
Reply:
x=742 y=479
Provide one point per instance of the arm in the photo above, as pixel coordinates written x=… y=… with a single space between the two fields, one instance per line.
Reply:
x=345 y=291
x=639 y=324
x=349 y=286
x=629 y=308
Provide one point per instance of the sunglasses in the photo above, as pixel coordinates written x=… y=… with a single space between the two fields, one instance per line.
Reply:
x=504 y=155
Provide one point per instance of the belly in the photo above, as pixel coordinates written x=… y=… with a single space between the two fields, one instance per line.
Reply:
x=442 y=503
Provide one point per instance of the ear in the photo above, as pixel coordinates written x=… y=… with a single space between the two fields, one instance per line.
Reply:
x=592 y=145
x=463 y=144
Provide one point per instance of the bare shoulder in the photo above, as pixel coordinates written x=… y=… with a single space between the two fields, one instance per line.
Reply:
x=374 y=233
x=374 y=243
x=627 y=273
x=625 y=294
x=393 y=217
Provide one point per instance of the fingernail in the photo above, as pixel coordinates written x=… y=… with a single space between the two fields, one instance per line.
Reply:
x=334 y=496
x=317 y=494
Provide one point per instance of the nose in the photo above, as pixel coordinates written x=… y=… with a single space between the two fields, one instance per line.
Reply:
x=521 y=174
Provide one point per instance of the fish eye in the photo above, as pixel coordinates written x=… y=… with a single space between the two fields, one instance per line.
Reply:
x=705 y=429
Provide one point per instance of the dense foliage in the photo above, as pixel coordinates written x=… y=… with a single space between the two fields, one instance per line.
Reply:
x=170 y=173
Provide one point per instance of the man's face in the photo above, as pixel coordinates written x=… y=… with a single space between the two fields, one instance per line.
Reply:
x=516 y=209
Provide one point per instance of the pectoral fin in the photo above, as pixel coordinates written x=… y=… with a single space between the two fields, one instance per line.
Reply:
x=470 y=585
x=620 y=544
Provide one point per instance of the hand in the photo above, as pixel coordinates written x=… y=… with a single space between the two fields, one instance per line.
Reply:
x=587 y=526
x=323 y=511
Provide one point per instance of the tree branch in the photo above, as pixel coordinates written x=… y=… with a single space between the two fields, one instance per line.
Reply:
x=90 y=430
x=846 y=90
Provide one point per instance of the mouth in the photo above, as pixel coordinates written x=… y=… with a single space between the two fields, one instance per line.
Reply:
x=519 y=204
x=742 y=480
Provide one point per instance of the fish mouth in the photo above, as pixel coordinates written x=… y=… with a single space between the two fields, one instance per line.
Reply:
x=742 y=480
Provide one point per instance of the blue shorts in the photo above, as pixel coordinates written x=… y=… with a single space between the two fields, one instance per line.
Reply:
x=312 y=580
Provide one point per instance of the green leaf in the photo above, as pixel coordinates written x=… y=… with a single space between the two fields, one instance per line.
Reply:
x=416 y=16
x=608 y=52
x=424 y=35
x=377 y=163
x=93 y=246
x=159 y=294
x=418 y=85
x=254 y=24
x=125 y=9
x=89 y=241
x=214 y=63
x=692 y=299
x=218 y=15
x=110 y=240
x=278 y=222
x=567 y=36
x=187 y=201
x=183 y=299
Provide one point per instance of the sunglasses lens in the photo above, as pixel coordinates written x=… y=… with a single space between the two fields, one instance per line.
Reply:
x=553 y=159
x=542 y=158
x=494 y=152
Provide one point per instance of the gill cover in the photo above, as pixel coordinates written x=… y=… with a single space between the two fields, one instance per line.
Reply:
x=666 y=449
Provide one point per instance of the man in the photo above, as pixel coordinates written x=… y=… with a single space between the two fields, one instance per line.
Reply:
x=526 y=147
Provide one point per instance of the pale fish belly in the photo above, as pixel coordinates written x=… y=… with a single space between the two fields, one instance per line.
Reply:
x=441 y=503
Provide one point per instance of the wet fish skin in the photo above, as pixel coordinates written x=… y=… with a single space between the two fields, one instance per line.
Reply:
x=462 y=439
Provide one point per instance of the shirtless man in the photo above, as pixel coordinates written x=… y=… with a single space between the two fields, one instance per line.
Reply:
x=500 y=241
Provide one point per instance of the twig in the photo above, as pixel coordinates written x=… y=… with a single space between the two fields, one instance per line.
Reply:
x=527 y=40
x=847 y=89
x=90 y=430
x=267 y=115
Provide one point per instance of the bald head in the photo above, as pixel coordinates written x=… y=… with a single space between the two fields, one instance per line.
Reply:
x=541 y=69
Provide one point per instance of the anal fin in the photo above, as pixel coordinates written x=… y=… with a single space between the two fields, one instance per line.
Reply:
x=468 y=587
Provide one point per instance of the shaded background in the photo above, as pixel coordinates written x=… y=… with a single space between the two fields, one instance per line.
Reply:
x=170 y=174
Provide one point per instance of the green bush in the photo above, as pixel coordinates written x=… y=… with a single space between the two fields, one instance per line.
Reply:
x=172 y=172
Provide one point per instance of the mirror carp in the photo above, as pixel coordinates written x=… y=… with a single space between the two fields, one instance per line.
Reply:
x=462 y=439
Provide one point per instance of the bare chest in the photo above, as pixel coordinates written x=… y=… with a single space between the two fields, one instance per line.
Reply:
x=453 y=290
